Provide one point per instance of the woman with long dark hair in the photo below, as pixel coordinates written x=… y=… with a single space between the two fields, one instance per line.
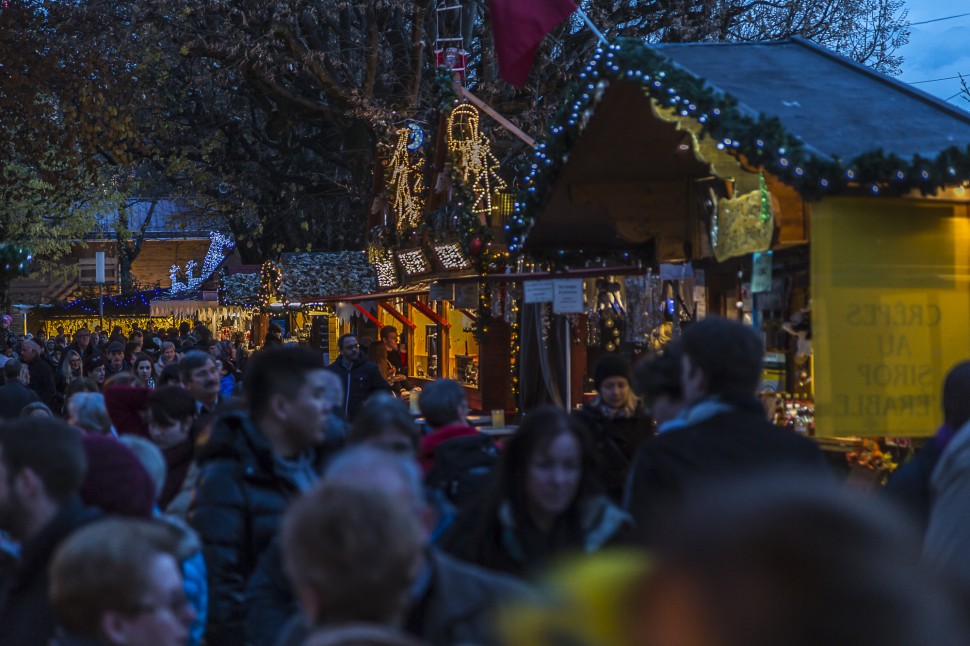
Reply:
x=544 y=503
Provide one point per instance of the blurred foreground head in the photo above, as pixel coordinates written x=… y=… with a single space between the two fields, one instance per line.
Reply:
x=352 y=552
x=118 y=582
x=787 y=560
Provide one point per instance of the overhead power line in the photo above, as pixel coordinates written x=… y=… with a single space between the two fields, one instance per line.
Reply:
x=926 y=22
x=945 y=78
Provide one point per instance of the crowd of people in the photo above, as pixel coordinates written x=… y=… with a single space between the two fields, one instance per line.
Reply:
x=199 y=494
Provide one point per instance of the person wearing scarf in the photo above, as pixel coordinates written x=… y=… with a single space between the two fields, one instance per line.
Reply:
x=616 y=421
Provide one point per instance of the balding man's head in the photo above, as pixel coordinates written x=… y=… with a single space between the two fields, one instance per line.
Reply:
x=29 y=350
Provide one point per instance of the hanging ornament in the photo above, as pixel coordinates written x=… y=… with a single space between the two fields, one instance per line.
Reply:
x=405 y=184
x=743 y=224
x=475 y=246
x=610 y=347
x=609 y=324
x=473 y=157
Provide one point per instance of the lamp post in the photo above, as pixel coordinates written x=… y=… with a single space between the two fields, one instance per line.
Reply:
x=99 y=279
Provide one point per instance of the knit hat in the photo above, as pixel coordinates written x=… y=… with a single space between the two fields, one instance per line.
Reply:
x=116 y=481
x=610 y=365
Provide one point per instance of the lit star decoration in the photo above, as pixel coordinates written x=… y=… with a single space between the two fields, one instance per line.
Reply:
x=473 y=158
x=213 y=258
x=405 y=185
x=450 y=256
x=414 y=262
x=383 y=262
x=762 y=142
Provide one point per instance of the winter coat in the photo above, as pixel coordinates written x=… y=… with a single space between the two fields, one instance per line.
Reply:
x=715 y=438
x=194 y=579
x=360 y=382
x=457 y=606
x=948 y=531
x=503 y=546
x=227 y=386
x=909 y=485
x=615 y=443
x=42 y=382
x=236 y=509
x=438 y=437
x=26 y=614
x=13 y=397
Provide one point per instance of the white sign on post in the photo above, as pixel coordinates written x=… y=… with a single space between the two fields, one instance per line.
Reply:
x=99 y=267
x=538 y=291
x=568 y=296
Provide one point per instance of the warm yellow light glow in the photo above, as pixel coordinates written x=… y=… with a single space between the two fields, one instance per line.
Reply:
x=405 y=183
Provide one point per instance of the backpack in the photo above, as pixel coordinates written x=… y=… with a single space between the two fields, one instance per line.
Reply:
x=463 y=467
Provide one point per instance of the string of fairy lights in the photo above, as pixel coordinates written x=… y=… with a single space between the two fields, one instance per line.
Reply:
x=762 y=141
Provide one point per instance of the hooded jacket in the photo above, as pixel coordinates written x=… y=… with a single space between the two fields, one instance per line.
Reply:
x=236 y=509
x=363 y=379
x=948 y=532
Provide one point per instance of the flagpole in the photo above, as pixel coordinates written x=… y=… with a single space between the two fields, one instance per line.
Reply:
x=589 y=23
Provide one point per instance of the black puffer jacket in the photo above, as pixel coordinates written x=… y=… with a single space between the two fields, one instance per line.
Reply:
x=360 y=382
x=615 y=443
x=235 y=509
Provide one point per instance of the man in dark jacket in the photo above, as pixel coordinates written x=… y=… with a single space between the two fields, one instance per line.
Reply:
x=360 y=377
x=723 y=431
x=15 y=394
x=42 y=466
x=41 y=373
x=251 y=465
x=452 y=602
x=83 y=345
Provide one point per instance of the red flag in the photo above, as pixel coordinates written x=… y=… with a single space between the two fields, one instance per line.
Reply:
x=518 y=27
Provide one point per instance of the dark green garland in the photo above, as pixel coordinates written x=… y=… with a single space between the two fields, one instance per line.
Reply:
x=762 y=142
x=15 y=260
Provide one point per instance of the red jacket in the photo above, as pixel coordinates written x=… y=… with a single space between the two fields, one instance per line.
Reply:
x=431 y=442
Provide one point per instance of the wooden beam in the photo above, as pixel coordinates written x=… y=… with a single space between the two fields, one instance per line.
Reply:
x=370 y=316
x=490 y=111
x=472 y=315
x=403 y=320
x=431 y=314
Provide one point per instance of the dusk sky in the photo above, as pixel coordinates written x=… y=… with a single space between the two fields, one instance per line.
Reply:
x=938 y=49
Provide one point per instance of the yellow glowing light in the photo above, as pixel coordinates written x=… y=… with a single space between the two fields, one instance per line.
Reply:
x=405 y=183
x=473 y=156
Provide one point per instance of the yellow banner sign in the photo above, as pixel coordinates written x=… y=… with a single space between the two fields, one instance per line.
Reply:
x=891 y=313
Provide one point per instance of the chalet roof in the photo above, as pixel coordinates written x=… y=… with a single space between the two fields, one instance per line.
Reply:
x=837 y=107
x=607 y=173
x=309 y=276
x=239 y=286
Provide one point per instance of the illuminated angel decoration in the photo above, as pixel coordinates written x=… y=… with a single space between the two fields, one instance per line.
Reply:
x=473 y=157
x=405 y=184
